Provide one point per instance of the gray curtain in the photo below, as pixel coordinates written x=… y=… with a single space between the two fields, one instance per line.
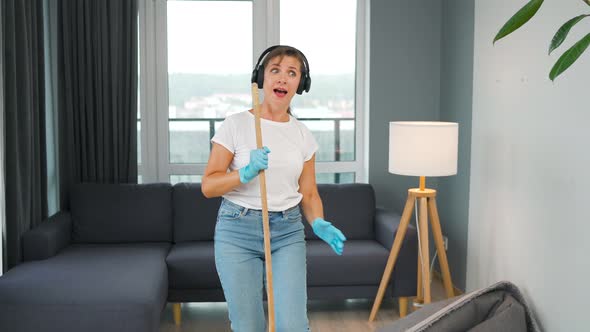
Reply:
x=97 y=83
x=24 y=121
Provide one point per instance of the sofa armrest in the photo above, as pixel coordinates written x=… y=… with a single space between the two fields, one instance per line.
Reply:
x=386 y=224
x=48 y=238
x=403 y=278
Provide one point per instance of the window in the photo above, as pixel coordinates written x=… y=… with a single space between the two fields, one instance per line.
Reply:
x=208 y=72
x=196 y=59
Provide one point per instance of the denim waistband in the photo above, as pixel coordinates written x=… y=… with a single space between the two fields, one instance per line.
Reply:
x=243 y=210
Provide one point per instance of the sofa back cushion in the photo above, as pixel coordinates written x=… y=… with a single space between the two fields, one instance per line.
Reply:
x=349 y=207
x=119 y=213
x=194 y=214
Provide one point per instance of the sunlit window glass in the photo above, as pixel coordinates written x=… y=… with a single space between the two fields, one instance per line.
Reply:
x=209 y=66
x=330 y=47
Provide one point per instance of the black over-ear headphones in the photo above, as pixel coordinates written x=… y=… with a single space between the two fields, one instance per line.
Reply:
x=258 y=72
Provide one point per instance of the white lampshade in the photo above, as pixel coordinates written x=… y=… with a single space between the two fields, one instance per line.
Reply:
x=423 y=148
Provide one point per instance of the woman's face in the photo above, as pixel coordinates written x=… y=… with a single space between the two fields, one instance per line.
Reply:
x=281 y=79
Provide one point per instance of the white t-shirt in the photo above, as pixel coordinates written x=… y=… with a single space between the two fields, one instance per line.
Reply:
x=290 y=144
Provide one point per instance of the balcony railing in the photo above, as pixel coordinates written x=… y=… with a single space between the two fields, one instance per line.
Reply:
x=334 y=135
x=336 y=130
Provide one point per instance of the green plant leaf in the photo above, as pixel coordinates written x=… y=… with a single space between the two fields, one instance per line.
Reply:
x=520 y=18
x=569 y=57
x=587 y=2
x=563 y=31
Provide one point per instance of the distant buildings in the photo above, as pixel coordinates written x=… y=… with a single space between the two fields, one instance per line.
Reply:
x=220 y=105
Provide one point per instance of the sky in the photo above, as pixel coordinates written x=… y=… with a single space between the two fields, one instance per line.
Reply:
x=215 y=37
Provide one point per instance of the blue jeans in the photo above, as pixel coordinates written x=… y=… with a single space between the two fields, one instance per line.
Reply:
x=239 y=259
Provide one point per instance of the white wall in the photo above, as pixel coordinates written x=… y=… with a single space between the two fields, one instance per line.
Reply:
x=529 y=220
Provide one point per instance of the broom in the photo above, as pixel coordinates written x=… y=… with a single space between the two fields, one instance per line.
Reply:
x=265 y=223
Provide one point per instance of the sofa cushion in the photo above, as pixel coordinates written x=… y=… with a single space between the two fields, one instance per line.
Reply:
x=194 y=214
x=121 y=213
x=350 y=207
x=87 y=288
x=191 y=265
x=362 y=263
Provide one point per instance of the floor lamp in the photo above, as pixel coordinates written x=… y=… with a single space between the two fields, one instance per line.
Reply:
x=420 y=148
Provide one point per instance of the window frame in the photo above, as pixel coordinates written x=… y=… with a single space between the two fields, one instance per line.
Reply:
x=155 y=165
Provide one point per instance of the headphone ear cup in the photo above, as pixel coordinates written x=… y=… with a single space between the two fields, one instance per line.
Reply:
x=260 y=76
x=304 y=84
x=301 y=86
x=254 y=78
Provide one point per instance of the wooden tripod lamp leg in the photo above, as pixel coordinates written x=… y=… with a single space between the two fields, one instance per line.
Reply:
x=438 y=240
x=424 y=250
x=419 y=285
x=265 y=222
x=397 y=243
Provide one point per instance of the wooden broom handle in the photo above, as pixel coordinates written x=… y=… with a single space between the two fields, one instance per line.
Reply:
x=265 y=222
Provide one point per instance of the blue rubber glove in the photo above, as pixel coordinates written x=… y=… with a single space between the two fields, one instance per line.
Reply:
x=258 y=162
x=330 y=234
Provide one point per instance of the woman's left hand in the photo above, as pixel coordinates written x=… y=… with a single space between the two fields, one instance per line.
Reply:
x=330 y=234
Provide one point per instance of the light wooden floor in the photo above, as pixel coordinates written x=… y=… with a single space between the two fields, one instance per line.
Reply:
x=324 y=316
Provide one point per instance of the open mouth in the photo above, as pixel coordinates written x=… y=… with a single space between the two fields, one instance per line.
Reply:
x=280 y=92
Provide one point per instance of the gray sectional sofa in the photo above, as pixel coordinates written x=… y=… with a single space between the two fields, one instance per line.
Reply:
x=121 y=252
x=498 y=307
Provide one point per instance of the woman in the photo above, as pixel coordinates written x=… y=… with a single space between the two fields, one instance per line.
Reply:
x=288 y=158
